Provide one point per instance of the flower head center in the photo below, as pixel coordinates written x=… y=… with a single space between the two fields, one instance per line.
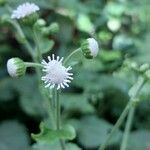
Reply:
x=56 y=72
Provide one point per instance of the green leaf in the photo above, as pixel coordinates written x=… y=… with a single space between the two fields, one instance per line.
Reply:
x=54 y=146
x=6 y=89
x=33 y=104
x=50 y=135
x=110 y=55
x=76 y=102
x=139 y=140
x=84 y=23
x=45 y=45
x=94 y=131
x=13 y=135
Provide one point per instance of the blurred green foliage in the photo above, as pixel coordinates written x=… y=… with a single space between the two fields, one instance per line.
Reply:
x=99 y=91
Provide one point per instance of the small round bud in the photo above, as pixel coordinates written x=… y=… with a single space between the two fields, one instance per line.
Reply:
x=40 y=23
x=134 y=66
x=147 y=74
x=114 y=25
x=54 y=28
x=144 y=67
x=16 y=67
x=90 y=48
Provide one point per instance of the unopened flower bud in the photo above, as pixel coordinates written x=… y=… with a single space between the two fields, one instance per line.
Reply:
x=54 y=28
x=144 y=67
x=16 y=67
x=147 y=74
x=90 y=48
x=40 y=23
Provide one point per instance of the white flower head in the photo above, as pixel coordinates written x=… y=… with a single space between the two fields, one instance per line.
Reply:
x=16 y=67
x=56 y=74
x=24 y=10
x=90 y=48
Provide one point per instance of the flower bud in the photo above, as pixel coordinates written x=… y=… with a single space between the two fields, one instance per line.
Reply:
x=40 y=23
x=52 y=29
x=16 y=67
x=147 y=74
x=90 y=48
x=144 y=67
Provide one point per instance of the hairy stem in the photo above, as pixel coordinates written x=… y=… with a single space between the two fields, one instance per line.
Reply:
x=36 y=39
x=30 y=64
x=135 y=91
x=74 y=52
x=127 y=128
x=62 y=144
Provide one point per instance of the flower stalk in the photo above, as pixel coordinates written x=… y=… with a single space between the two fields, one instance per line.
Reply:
x=30 y=64
x=58 y=119
x=135 y=91
x=71 y=55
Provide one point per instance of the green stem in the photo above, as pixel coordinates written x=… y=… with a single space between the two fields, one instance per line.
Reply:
x=127 y=128
x=58 y=110
x=74 y=52
x=49 y=108
x=39 y=55
x=24 y=40
x=30 y=64
x=62 y=144
x=21 y=33
x=117 y=125
x=133 y=92
x=137 y=87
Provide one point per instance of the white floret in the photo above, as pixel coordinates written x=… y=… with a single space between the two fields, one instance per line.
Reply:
x=24 y=10
x=93 y=46
x=11 y=67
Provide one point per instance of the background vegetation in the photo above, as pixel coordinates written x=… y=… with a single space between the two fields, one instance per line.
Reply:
x=99 y=91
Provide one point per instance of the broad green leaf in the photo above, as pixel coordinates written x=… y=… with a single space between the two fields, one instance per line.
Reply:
x=93 y=65
x=94 y=131
x=76 y=102
x=13 y=135
x=6 y=89
x=33 y=104
x=54 y=146
x=48 y=135
x=45 y=45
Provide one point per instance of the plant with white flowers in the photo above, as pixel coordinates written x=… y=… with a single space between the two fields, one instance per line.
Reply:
x=54 y=74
